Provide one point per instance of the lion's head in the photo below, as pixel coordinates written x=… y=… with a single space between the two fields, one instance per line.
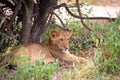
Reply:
x=60 y=39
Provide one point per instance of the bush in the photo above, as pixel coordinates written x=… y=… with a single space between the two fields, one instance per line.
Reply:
x=99 y=66
x=30 y=71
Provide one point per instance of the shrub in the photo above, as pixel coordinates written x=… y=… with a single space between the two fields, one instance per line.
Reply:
x=30 y=71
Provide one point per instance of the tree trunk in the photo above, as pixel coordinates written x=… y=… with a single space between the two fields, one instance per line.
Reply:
x=34 y=17
x=39 y=26
x=27 y=20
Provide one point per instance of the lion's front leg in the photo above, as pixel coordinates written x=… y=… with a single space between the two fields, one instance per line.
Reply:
x=70 y=58
x=49 y=59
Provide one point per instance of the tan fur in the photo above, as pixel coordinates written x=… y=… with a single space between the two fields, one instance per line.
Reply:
x=56 y=47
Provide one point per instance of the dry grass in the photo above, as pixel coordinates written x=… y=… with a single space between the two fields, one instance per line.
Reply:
x=86 y=71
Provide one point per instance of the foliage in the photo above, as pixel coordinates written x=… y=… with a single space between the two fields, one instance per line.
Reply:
x=30 y=71
x=81 y=37
x=111 y=45
x=7 y=41
x=110 y=35
x=97 y=67
x=87 y=71
x=108 y=66
x=100 y=66
x=113 y=36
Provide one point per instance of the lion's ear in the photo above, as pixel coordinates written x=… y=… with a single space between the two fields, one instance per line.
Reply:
x=69 y=33
x=54 y=34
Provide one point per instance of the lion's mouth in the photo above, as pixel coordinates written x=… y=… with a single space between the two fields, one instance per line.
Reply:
x=65 y=51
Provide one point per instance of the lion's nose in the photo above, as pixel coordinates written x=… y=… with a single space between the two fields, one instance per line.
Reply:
x=66 y=48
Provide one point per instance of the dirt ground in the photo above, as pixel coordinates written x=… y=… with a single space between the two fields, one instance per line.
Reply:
x=96 y=2
x=107 y=2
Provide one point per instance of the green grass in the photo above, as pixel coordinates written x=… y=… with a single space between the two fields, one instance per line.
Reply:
x=30 y=71
x=98 y=67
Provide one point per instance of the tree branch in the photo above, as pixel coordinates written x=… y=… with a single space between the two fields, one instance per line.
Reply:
x=7 y=3
x=80 y=17
x=13 y=18
x=2 y=21
x=59 y=19
x=3 y=18
x=80 y=14
x=1 y=13
x=67 y=9
x=72 y=14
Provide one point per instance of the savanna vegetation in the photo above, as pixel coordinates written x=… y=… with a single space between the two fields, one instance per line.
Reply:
x=100 y=47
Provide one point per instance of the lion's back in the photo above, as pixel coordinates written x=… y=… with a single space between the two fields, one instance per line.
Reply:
x=30 y=50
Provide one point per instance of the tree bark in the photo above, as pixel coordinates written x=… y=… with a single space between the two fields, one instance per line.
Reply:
x=27 y=20
x=39 y=26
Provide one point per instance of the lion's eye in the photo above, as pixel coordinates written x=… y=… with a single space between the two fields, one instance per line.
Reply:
x=61 y=39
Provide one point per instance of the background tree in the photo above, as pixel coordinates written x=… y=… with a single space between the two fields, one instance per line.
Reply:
x=35 y=17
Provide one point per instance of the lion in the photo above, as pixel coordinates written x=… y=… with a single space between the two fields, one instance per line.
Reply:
x=56 y=47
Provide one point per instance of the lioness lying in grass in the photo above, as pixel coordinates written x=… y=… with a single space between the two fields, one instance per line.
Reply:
x=56 y=47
